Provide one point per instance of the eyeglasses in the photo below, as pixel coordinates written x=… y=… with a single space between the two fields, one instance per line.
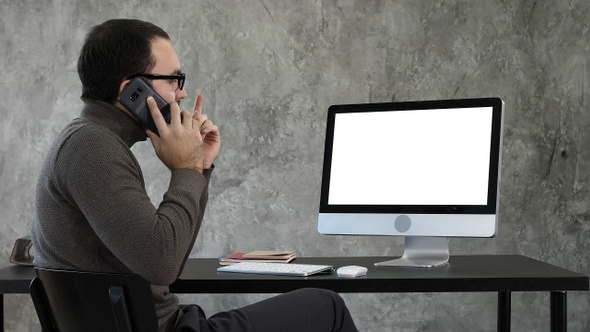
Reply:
x=179 y=78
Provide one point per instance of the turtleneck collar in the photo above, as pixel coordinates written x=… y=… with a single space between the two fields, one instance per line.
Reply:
x=114 y=119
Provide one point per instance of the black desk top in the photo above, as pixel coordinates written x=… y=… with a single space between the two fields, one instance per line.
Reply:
x=16 y=279
x=474 y=273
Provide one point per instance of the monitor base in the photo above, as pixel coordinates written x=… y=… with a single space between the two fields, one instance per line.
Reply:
x=422 y=251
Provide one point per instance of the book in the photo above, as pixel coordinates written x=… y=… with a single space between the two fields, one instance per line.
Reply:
x=268 y=256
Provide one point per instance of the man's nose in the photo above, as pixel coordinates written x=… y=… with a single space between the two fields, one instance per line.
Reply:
x=181 y=94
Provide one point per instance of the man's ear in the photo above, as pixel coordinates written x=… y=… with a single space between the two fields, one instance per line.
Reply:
x=123 y=85
x=117 y=103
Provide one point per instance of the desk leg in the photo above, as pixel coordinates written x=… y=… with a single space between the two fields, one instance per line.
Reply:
x=2 y=312
x=504 y=311
x=558 y=311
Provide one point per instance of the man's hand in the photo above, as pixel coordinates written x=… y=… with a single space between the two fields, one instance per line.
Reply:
x=209 y=133
x=180 y=144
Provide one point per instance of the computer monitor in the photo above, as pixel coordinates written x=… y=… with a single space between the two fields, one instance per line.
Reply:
x=425 y=170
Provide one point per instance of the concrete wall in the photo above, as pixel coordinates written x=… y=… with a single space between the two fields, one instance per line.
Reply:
x=269 y=71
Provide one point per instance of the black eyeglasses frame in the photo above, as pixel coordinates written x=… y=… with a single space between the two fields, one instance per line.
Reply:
x=180 y=78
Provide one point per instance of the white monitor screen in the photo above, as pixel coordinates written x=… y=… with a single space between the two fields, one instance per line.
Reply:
x=416 y=157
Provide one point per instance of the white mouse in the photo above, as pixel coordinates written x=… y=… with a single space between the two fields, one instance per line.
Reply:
x=351 y=271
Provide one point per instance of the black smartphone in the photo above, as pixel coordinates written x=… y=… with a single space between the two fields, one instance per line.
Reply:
x=134 y=99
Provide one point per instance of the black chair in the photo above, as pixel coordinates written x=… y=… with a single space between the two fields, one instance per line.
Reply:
x=73 y=301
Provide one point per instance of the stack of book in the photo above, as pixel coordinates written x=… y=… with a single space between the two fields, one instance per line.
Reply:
x=267 y=256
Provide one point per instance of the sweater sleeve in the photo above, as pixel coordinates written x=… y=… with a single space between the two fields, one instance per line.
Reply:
x=99 y=175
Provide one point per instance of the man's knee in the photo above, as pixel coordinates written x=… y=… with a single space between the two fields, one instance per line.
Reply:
x=323 y=295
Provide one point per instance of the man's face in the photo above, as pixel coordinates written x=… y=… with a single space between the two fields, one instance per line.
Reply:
x=167 y=63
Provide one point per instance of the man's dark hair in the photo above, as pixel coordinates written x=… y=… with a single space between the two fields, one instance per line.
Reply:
x=113 y=51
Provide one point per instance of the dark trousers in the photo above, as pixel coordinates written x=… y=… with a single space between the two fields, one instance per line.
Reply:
x=304 y=310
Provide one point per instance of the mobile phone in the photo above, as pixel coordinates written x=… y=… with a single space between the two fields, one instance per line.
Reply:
x=134 y=99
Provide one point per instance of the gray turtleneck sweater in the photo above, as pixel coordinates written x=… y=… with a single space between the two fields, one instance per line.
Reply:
x=93 y=212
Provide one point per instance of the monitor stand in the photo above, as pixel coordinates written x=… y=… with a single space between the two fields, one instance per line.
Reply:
x=422 y=251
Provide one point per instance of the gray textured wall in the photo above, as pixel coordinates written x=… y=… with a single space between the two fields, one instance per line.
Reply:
x=269 y=71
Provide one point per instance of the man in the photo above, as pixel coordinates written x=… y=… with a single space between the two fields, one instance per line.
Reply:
x=93 y=212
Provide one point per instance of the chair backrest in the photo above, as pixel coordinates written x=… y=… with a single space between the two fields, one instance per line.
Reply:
x=73 y=301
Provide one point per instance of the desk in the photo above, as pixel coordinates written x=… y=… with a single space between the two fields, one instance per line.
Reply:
x=478 y=273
